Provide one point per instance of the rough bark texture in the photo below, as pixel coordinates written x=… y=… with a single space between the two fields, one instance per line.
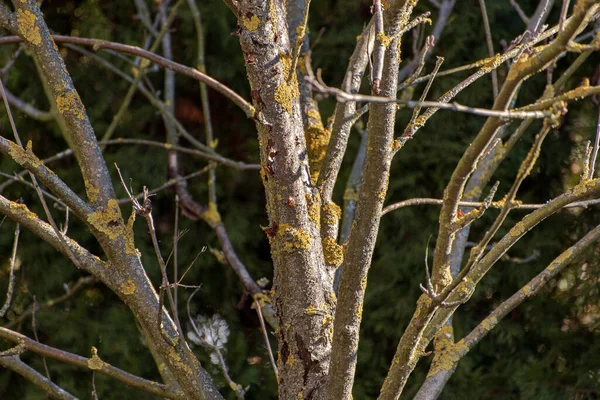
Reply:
x=303 y=296
x=375 y=178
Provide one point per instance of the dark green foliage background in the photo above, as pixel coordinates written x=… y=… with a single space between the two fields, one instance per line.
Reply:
x=527 y=356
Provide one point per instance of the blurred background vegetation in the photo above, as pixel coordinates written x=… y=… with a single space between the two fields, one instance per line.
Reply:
x=546 y=349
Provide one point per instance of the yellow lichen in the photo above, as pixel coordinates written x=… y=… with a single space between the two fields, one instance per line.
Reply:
x=420 y=121
x=129 y=236
x=332 y=252
x=176 y=358
x=399 y=46
x=445 y=277
x=383 y=39
x=95 y=363
x=313 y=208
x=363 y=283
x=332 y=297
x=109 y=220
x=262 y=299
x=381 y=194
x=489 y=323
x=527 y=290
x=584 y=187
x=287 y=90
x=211 y=214
x=519 y=229
x=285 y=94
x=331 y=214
x=293 y=239
x=92 y=191
x=465 y=288
x=302 y=63
x=21 y=210
x=128 y=288
x=26 y=20
x=218 y=255
x=70 y=103
x=235 y=387
x=311 y=310
x=291 y=360
x=317 y=140
x=161 y=367
x=23 y=157
x=251 y=23
x=491 y=63
x=445 y=359
x=351 y=194
x=561 y=260
x=359 y=311
x=314 y=114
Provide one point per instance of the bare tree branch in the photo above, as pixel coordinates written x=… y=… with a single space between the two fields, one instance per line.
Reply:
x=98 y=44
x=11 y=279
x=52 y=390
x=94 y=364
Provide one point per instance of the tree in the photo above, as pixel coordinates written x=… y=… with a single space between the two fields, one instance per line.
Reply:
x=319 y=267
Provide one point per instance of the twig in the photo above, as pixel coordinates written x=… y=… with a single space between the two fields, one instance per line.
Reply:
x=37 y=339
x=201 y=66
x=11 y=279
x=596 y=100
x=266 y=337
x=52 y=390
x=12 y=60
x=445 y=9
x=176 y=237
x=35 y=184
x=429 y=43
x=344 y=114
x=98 y=44
x=27 y=109
x=490 y=45
x=141 y=70
x=301 y=30
x=17 y=178
x=238 y=389
x=563 y=14
x=145 y=210
x=94 y=393
x=144 y=16
x=342 y=96
x=151 y=96
x=512 y=53
x=417 y=108
x=98 y=365
x=216 y=158
x=516 y=206
x=540 y=15
x=507 y=203
x=527 y=291
x=72 y=291
x=379 y=50
x=166 y=185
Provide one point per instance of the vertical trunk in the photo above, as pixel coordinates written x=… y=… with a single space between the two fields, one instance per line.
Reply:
x=303 y=297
